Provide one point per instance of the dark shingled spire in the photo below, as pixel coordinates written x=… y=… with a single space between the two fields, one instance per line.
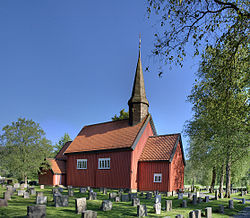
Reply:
x=138 y=103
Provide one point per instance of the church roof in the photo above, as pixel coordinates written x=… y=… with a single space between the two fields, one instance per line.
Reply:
x=104 y=136
x=160 y=147
x=60 y=155
x=57 y=166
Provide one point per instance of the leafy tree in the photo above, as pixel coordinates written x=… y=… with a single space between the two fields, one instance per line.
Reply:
x=220 y=105
x=61 y=142
x=200 y=23
x=24 y=148
x=123 y=115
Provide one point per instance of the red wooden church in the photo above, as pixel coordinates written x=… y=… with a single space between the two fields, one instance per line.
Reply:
x=126 y=153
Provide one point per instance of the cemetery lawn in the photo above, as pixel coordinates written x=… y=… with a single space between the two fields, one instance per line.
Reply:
x=17 y=206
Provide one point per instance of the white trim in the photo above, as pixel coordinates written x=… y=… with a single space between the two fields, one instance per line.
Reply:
x=103 y=163
x=84 y=164
x=158 y=177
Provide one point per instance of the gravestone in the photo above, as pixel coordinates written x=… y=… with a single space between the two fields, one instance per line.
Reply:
x=242 y=193
x=221 y=209
x=157 y=208
x=135 y=202
x=71 y=192
x=124 y=198
x=7 y=195
x=81 y=205
x=148 y=195
x=141 y=210
x=106 y=205
x=32 y=191
x=92 y=196
x=168 y=205
x=179 y=216
x=60 y=189
x=82 y=190
x=199 y=200
x=180 y=196
x=169 y=194
x=17 y=185
x=41 y=186
x=230 y=204
x=132 y=195
x=104 y=191
x=216 y=195
x=41 y=200
x=36 y=211
x=157 y=199
x=190 y=196
x=173 y=193
x=69 y=186
x=184 y=204
x=191 y=214
x=55 y=191
x=3 y=203
x=39 y=194
x=61 y=201
x=198 y=194
x=20 y=192
x=156 y=192
x=88 y=188
x=117 y=199
x=197 y=213
x=194 y=202
x=26 y=195
x=112 y=195
x=141 y=194
x=243 y=201
x=206 y=199
x=208 y=212
x=89 y=214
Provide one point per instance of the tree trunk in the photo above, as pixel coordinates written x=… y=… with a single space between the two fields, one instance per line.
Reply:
x=25 y=179
x=221 y=181
x=228 y=178
x=213 y=180
x=192 y=188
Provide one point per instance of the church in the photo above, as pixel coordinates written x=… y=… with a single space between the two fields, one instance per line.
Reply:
x=125 y=154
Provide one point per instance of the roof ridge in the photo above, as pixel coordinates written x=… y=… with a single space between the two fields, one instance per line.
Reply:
x=164 y=135
x=111 y=121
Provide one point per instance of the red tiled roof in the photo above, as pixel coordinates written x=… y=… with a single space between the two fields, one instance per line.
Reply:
x=57 y=166
x=109 y=135
x=159 y=147
x=60 y=155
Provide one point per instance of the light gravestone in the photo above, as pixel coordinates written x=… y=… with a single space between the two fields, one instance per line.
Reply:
x=112 y=195
x=135 y=202
x=26 y=195
x=106 y=205
x=36 y=211
x=41 y=186
x=180 y=196
x=61 y=201
x=243 y=201
x=190 y=196
x=169 y=194
x=216 y=195
x=157 y=208
x=168 y=205
x=92 y=196
x=71 y=192
x=20 y=192
x=89 y=214
x=197 y=213
x=39 y=194
x=41 y=200
x=179 y=216
x=7 y=195
x=3 y=203
x=32 y=191
x=81 y=205
x=191 y=214
x=117 y=199
x=17 y=185
x=142 y=210
x=208 y=212
x=157 y=199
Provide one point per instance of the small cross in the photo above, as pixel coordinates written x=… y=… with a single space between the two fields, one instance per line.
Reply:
x=139 y=40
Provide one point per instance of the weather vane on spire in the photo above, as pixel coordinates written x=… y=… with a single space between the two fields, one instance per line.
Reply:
x=139 y=40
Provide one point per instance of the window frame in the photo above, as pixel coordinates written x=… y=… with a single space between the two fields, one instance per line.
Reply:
x=83 y=161
x=159 y=175
x=104 y=163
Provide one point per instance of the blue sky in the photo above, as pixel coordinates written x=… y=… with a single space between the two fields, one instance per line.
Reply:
x=66 y=64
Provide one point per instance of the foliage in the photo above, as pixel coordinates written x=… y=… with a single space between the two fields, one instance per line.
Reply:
x=200 y=23
x=61 y=142
x=123 y=115
x=24 y=148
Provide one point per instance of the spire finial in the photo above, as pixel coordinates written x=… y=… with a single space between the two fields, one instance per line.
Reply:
x=139 y=40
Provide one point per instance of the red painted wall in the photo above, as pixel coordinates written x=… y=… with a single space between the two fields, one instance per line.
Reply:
x=177 y=170
x=136 y=155
x=118 y=176
x=46 y=178
x=146 y=175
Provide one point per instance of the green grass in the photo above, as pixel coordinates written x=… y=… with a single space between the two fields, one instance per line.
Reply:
x=18 y=206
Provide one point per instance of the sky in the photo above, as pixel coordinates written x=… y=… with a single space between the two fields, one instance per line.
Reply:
x=67 y=64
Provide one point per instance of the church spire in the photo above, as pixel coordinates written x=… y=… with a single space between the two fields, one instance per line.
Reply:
x=138 y=103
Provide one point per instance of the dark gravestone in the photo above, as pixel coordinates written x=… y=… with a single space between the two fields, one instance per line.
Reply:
x=26 y=195
x=221 y=209
x=112 y=195
x=61 y=201
x=180 y=196
x=194 y=202
x=141 y=210
x=55 y=191
x=7 y=195
x=179 y=216
x=197 y=213
x=184 y=204
x=106 y=205
x=135 y=202
x=3 y=203
x=191 y=214
x=60 y=189
x=157 y=199
x=56 y=195
x=168 y=205
x=124 y=198
x=149 y=195
x=206 y=199
x=36 y=211
x=92 y=196
x=89 y=214
x=32 y=191
x=41 y=200
x=82 y=190
x=132 y=195
x=243 y=201
x=230 y=204
x=71 y=192
x=157 y=208
x=199 y=200
x=81 y=205
x=208 y=212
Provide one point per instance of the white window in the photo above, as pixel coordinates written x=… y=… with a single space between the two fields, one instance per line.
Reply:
x=81 y=163
x=104 y=163
x=157 y=177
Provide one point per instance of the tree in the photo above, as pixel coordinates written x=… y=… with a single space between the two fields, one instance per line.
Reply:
x=200 y=23
x=220 y=105
x=24 y=148
x=58 y=146
x=123 y=115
